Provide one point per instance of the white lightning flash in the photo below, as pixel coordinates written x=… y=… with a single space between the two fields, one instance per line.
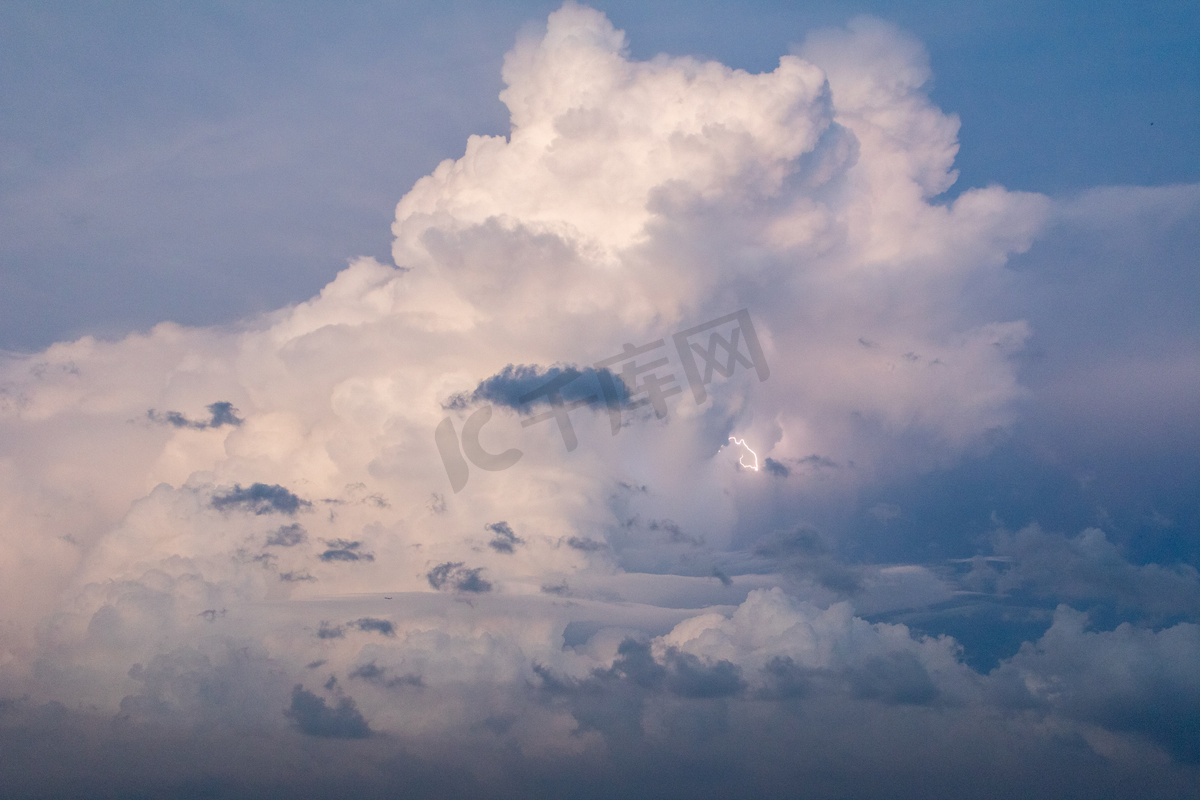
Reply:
x=742 y=443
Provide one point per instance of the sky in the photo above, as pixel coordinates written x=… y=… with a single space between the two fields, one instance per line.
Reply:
x=653 y=400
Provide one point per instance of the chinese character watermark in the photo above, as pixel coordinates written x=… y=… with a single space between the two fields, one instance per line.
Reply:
x=636 y=377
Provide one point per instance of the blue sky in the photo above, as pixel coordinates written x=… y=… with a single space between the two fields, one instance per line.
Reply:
x=277 y=515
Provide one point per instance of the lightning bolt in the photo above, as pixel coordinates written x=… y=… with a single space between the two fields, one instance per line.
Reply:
x=742 y=443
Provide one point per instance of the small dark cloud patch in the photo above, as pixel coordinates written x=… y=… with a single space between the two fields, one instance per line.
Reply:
x=720 y=575
x=260 y=498
x=365 y=624
x=315 y=664
x=585 y=545
x=223 y=413
x=675 y=534
x=518 y=386
x=327 y=631
x=368 y=672
x=288 y=536
x=375 y=625
x=453 y=576
x=344 y=550
x=315 y=717
x=819 y=462
x=220 y=414
x=559 y=589
x=296 y=577
x=776 y=468
x=504 y=540
x=373 y=673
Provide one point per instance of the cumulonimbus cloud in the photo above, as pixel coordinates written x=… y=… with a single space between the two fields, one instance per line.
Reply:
x=630 y=201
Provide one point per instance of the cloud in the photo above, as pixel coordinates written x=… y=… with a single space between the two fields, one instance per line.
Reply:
x=315 y=717
x=260 y=498
x=585 y=545
x=1085 y=568
x=327 y=631
x=1128 y=679
x=895 y=678
x=503 y=540
x=524 y=386
x=374 y=625
x=222 y=413
x=454 y=576
x=641 y=604
x=287 y=536
x=776 y=468
x=376 y=674
x=345 y=550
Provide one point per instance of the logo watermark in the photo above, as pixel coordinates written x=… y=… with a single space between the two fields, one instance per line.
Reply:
x=643 y=381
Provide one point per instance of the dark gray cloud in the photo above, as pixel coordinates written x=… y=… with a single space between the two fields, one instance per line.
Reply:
x=375 y=625
x=452 y=575
x=504 y=540
x=327 y=631
x=315 y=717
x=673 y=532
x=260 y=498
x=585 y=545
x=376 y=674
x=776 y=468
x=220 y=414
x=720 y=575
x=287 y=536
x=345 y=550
x=519 y=387
x=368 y=672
